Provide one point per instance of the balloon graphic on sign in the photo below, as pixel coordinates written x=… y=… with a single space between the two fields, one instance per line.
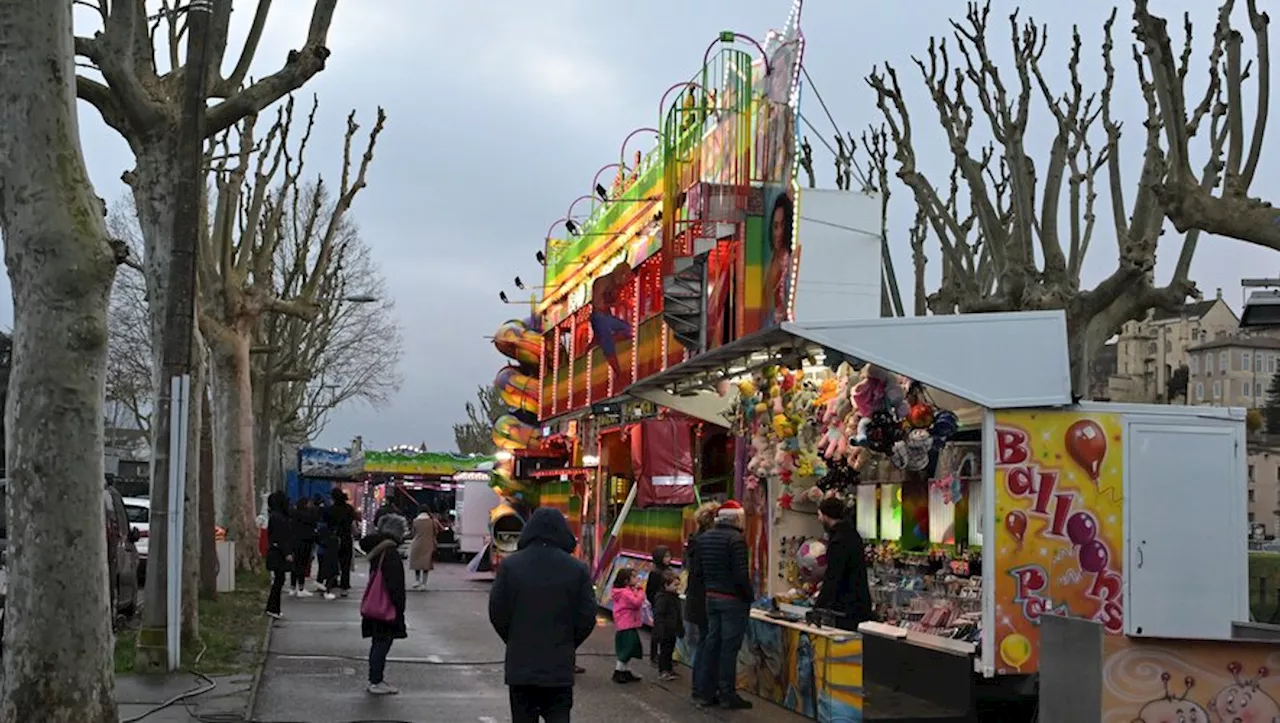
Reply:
x=1016 y=523
x=1082 y=528
x=1094 y=557
x=1015 y=650
x=1087 y=444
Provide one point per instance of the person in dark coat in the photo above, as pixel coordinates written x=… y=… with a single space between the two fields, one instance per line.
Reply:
x=303 y=521
x=543 y=607
x=668 y=623
x=695 y=593
x=721 y=560
x=279 y=548
x=341 y=517
x=844 y=586
x=652 y=586
x=381 y=549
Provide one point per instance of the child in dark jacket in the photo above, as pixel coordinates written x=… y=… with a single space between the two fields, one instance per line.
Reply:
x=652 y=586
x=668 y=623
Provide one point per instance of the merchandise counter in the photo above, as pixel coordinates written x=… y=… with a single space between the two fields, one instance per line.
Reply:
x=814 y=671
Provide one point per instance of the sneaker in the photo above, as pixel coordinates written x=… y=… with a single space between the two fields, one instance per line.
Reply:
x=705 y=702
x=275 y=616
x=630 y=677
x=303 y=593
x=342 y=593
x=620 y=677
x=330 y=596
x=293 y=592
x=736 y=702
x=381 y=689
x=667 y=676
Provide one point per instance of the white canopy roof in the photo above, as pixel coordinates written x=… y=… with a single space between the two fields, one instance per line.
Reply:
x=1000 y=361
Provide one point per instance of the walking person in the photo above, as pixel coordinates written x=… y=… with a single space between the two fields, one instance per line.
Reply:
x=628 y=599
x=279 y=549
x=668 y=624
x=721 y=559
x=652 y=586
x=543 y=607
x=383 y=623
x=695 y=593
x=422 y=551
x=304 y=541
x=342 y=521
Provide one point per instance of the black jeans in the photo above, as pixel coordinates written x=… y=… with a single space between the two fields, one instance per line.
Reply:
x=716 y=665
x=344 y=562
x=531 y=703
x=378 y=650
x=301 y=564
x=277 y=585
x=666 y=655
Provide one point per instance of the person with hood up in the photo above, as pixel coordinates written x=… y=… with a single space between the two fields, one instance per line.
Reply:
x=543 y=607
x=279 y=549
x=844 y=585
x=341 y=518
x=380 y=548
x=652 y=586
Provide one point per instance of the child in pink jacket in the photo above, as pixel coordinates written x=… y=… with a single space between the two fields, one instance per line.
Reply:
x=628 y=599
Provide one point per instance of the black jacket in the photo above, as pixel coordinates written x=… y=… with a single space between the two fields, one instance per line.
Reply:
x=844 y=586
x=653 y=584
x=695 y=591
x=304 y=528
x=721 y=560
x=381 y=551
x=340 y=517
x=279 y=533
x=542 y=603
x=668 y=623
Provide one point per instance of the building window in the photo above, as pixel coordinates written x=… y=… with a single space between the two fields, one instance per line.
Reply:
x=1250 y=518
x=1208 y=363
x=1271 y=364
x=1151 y=347
x=1246 y=390
x=1245 y=359
x=1251 y=499
x=1217 y=389
x=1224 y=362
x=1199 y=391
x=1257 y=362
x=1168 y=347
x=1193 y=364
x=1250 y=473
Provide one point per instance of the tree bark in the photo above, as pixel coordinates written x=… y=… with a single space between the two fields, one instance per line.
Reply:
x=194 y=522
x=57 y=652
x=233 y=440
x=208 y=539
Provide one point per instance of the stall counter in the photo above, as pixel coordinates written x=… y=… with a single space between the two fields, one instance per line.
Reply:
x=813 y=671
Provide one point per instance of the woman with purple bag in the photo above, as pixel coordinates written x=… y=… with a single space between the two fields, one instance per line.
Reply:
x=382 y=608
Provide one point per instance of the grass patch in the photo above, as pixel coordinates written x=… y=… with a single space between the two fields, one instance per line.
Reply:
x=231 y=632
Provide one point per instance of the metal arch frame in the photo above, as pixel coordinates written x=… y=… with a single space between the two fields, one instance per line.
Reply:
x=729 y=36
x=685 y=85
x=595 y=180
x=622 y=150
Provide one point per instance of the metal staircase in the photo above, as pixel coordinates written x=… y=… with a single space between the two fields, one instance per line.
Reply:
x=684 y=298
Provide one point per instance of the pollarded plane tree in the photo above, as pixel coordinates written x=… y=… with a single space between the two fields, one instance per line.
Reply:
x=351 y=350
x=256 y=177
x=1013 y=232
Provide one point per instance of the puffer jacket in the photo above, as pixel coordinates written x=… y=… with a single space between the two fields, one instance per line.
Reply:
x=721 y=561
x=627 y=603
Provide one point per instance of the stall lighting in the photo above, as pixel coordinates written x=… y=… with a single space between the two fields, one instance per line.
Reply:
x=541 y=257
x=590 y=460
x=503 y=456
x=603 y=194
x=503 y=296
x=571 y=227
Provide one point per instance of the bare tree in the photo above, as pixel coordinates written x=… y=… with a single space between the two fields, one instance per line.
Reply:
x=257 y=182
x=130 y=361
x=1005 y=242
x=350 y=352
x=475 y=436
x=57 y=651
x=1188 y=202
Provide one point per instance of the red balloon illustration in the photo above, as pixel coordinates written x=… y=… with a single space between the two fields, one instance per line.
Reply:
x=1094 y=557
x=1016 y=523
x=1087 y=444
x=1082 y=528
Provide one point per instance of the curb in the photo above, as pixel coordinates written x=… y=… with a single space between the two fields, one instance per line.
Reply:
x=252 y=702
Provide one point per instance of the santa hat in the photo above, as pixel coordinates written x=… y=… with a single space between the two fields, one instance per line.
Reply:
x=731 y=511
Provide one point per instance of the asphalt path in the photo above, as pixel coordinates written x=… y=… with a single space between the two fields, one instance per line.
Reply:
x=449 y=669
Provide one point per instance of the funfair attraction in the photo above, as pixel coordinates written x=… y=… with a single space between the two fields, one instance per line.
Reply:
x=709 y=329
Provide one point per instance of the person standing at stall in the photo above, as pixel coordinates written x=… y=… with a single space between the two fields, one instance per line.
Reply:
x=721 y=560
x=844 y=585
x=341 y=517
x=304 y=542
x=280 y=548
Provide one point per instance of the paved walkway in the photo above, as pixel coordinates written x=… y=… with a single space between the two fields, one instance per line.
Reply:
x=151 y=698
x=449 y=669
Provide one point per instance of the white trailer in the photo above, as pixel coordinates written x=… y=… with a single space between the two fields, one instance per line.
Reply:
x=475 y=499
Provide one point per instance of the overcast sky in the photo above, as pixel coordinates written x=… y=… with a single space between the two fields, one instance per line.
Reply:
x=500 y=112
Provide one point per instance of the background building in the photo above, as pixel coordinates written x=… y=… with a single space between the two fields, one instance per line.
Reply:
x=1234 y=371
x=1149 y=352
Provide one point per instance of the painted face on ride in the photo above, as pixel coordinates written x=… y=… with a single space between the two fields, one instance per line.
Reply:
x=780 y=233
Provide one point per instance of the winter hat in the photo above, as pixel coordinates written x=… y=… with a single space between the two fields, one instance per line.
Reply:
x=732 y=513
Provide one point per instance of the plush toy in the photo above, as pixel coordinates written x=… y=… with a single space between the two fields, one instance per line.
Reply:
x=919 y=416
x=826 y=392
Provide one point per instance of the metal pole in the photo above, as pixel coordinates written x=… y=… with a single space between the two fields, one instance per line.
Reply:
x=155 y=649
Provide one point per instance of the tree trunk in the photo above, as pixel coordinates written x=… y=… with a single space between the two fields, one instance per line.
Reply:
x=208 y=539
x=57 y=652
x=193 y=522
x=233 y=440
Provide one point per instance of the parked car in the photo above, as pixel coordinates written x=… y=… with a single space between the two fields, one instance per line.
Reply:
x=122 y=553
x=138 y=510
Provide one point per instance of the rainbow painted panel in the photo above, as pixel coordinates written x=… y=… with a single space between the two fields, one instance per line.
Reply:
x=579 y=382
x=559 y=495
x=753 y=295
x=811 y=675
x=645 y=529
x=838 y=675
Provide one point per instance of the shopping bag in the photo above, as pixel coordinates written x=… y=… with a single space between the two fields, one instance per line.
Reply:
x=376 y=603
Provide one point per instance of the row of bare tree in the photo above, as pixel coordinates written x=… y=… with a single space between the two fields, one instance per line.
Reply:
x=292 y=319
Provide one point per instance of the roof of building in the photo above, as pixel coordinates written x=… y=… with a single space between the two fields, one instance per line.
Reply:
x=1239 y=342
x=1194 y=310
